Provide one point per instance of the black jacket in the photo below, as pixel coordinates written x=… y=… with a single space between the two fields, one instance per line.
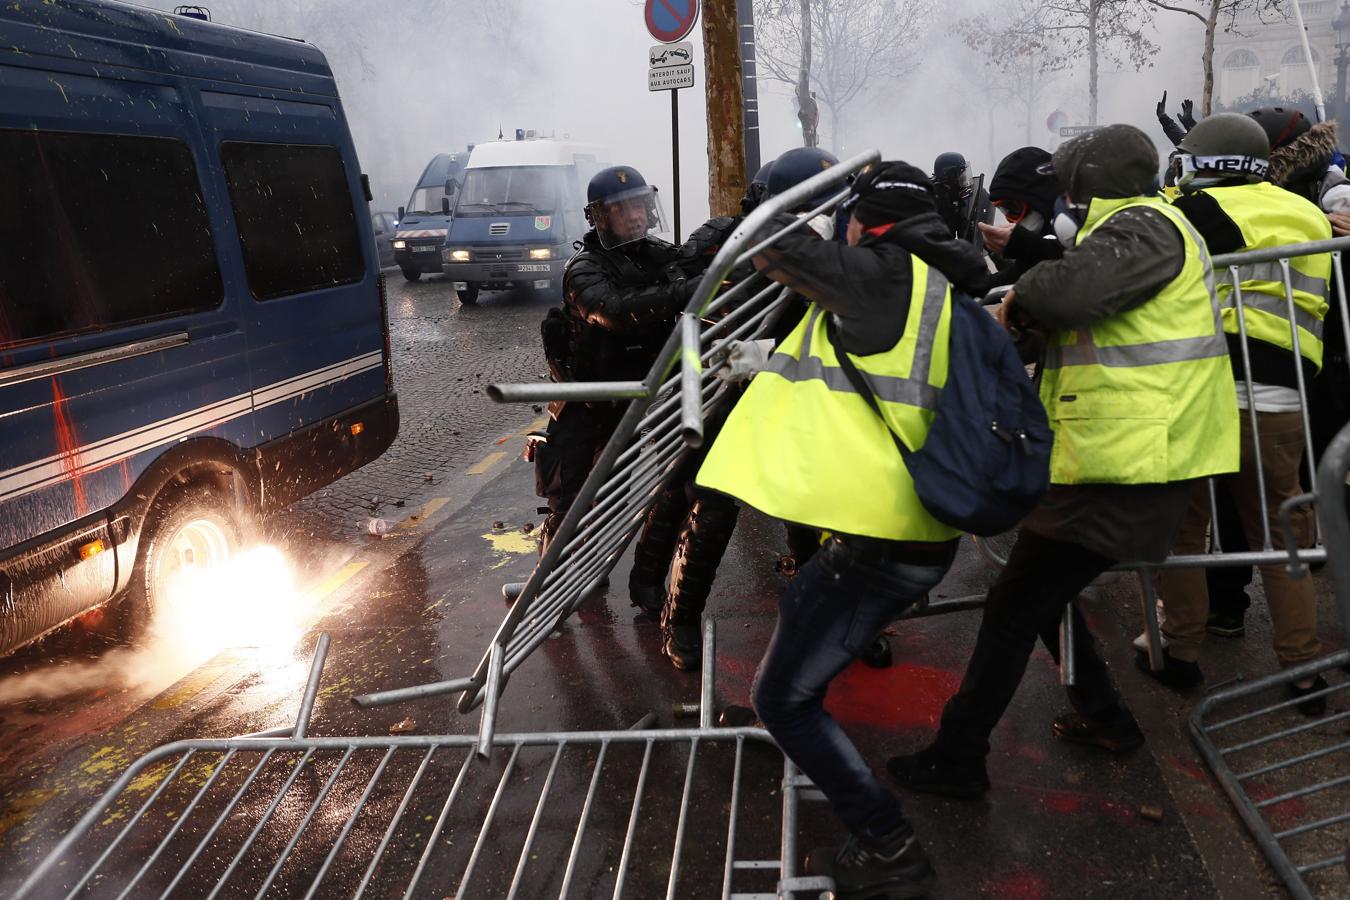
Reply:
x=621 y=305
x=867 y=287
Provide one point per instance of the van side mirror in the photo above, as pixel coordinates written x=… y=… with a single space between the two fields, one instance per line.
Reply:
x=401 y=213
x=445 y=205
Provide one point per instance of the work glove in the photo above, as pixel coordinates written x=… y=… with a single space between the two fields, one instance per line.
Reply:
x=740 y=360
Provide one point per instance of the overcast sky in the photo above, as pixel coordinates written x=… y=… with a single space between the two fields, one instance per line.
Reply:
x=416 y=84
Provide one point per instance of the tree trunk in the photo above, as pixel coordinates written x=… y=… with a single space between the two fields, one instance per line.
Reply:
x=1094 y=10
x=1207 y=57
x=726 y=108
x=807 y=111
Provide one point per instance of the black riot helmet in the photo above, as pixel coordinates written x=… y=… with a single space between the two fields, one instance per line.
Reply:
x=952 y=171
x=795 y=166
x=757 y=189
x=622 y=207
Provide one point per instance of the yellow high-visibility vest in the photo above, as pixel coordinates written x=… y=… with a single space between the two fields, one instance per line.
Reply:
x=1270 y=216
x=1145 y=396
x=803 y=446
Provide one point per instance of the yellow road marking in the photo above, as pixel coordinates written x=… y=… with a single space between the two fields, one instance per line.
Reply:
x=424 y=513
x=21 y=808
x=196 y=682
x=334 y=581
x=488 y=462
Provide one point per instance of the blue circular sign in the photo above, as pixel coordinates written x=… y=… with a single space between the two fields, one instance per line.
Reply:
x=670 y=20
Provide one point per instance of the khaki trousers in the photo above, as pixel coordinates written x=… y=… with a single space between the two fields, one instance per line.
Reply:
x=1293 y=607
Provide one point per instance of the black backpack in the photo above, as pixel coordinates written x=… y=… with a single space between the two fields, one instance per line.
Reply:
x=986 y=462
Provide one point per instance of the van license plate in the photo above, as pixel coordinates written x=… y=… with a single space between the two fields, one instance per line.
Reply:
x=529 y=268
x=431 y=249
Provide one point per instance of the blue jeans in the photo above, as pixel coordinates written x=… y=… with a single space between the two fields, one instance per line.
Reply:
x=838 y=604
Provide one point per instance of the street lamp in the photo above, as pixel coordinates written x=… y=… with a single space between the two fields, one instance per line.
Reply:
x=1342 y=26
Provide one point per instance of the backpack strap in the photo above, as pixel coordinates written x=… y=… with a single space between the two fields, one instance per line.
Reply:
x=860 y=385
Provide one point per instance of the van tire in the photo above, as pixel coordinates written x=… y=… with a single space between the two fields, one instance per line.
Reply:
x=411 y=274
x=468 y=296
x=198 y=515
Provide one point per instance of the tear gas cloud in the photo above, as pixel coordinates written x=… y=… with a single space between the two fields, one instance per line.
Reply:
x=428 y=76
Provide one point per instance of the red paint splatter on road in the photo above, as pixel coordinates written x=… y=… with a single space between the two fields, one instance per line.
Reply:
x=903 y=696
x=68 y=445
x=1015 y=886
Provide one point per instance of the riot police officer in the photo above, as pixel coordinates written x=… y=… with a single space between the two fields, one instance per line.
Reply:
x=622 y=292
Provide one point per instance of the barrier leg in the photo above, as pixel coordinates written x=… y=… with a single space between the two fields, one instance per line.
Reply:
x=1148 y=599
x=1068 y=675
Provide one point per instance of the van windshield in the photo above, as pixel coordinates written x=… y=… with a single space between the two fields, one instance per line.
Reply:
x=510 y=189
x=426 y=201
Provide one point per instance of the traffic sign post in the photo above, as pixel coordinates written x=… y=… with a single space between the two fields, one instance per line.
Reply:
x=670 y=68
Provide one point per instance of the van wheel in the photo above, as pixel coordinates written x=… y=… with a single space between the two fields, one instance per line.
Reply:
x=411 y=274
x=468 y=296
x=191 y=533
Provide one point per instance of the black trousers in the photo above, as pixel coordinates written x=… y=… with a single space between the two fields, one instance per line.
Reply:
x=575 y=439
x=1042 y=577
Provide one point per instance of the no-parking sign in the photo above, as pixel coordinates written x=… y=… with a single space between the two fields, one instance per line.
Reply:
x=670 y=20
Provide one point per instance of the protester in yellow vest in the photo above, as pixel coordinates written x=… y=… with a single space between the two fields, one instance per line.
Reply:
x=802 y=445
x=1139 y=393
x=1220 y=170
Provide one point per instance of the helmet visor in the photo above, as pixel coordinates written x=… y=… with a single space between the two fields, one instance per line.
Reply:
x=627 y=216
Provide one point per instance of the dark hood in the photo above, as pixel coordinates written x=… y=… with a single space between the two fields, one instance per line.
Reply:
x=1305 y=158
x=1016 y=178
x=928 y=237
x=1112 y=162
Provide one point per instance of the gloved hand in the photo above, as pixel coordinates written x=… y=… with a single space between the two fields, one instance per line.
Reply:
x=1187 y=116
x=740 y=360
x=1162 y=105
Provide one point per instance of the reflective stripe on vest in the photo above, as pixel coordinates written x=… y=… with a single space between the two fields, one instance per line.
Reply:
x=803 y=446
x=1086 y=352
x=1270 y=217
x=914 y=390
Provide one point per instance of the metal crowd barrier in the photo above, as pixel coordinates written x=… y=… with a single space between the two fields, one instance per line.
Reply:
x=1260 y=750
x=566 y=814
x=662 y=424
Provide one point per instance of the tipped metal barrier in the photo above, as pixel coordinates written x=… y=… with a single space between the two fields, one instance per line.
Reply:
x=661 y=425
x=1261 y=752
x=445 y=815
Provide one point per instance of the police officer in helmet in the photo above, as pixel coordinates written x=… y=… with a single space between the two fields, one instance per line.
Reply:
x=622 y=292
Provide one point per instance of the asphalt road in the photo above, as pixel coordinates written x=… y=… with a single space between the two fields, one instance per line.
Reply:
x=422 y=603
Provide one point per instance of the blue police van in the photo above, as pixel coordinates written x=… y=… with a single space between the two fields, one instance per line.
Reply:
x=423 y=222
x=518 y=212
x=192 y=322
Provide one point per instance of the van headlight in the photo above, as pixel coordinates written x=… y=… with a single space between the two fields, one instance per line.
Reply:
x=542 y=253
x=400 y=245
x=459 y=256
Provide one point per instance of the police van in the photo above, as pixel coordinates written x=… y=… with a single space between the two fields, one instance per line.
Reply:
x=192 y=321
x=423 y=222
x=519 y=211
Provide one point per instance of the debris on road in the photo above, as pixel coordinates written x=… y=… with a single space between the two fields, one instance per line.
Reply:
x=404 y=727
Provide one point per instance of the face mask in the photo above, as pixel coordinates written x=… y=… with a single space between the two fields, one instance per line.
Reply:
x=1068 y=219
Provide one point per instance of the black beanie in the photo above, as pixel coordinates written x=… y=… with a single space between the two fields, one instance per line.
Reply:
x=890 y=192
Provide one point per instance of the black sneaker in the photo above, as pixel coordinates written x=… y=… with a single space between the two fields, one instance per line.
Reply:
x=1230 y=625
x=683 y=644
x=1118 y=735
x=878 y=656
x=1178 y=674
x=1315 y=706
x=929 y=772
x=890 y=867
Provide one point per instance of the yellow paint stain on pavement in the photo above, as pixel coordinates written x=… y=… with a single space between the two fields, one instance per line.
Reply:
x=106 y=760
x=20 y=808
x=424 y=513
x=335 y=581
x=513 y=542
x=487 y=462
x=195 y=683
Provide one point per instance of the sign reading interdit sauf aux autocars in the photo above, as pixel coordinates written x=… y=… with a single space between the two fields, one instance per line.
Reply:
x=671 y=66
